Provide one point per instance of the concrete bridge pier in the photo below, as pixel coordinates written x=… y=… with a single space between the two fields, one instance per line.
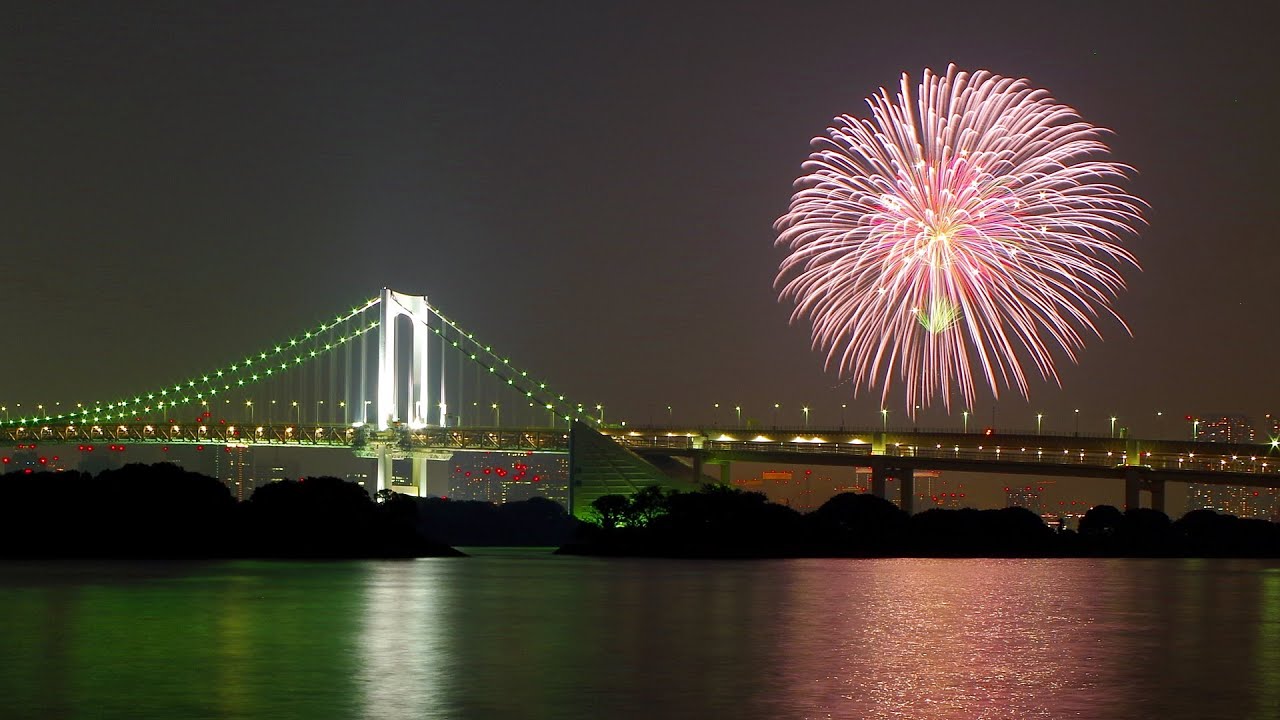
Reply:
x=384 y=469
x=1135 y=482
x=1132 y=490
x=427 y=483
x=725 y=477
x=1157 y=494
x=879 y=478
x=419 y=475
x=907 y=490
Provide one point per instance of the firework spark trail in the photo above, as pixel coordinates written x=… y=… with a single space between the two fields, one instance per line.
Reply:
x=954 y=233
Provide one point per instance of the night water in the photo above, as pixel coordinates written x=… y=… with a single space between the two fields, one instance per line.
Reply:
x=521 y=634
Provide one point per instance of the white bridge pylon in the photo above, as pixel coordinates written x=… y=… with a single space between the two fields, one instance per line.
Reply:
x=394 y=305
x=418 y=402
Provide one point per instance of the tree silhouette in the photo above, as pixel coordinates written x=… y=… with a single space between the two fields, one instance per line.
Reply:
x=611 y=510
x=859 y=523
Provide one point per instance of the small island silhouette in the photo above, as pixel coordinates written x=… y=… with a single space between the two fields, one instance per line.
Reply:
x=720 y=521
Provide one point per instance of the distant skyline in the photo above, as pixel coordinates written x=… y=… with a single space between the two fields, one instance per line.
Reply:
x=591 y=188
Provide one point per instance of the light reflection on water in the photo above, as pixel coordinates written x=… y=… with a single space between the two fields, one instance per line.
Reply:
x=518 y=635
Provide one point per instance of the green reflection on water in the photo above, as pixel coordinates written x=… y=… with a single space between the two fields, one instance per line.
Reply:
x=218 y=641
x=520 y=635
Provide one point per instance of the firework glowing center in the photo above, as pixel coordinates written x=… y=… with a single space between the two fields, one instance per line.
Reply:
x=957 y=235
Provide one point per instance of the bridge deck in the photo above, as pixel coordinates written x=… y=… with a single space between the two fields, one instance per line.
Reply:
x=1180 y=460
x=1255 y=465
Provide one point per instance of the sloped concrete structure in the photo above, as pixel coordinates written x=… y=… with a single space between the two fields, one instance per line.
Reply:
x=599 y=466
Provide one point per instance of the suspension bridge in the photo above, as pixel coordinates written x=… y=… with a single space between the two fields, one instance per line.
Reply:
x=393 y=378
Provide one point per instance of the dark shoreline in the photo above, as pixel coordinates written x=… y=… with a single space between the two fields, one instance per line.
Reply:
x=164 y=513
x=721 y=522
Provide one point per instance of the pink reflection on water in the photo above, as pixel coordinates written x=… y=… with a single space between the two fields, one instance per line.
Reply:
x=915 y=638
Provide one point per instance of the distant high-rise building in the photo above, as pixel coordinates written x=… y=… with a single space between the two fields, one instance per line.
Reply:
x=1031 y=497
x=1270 y=427
x=237 y=471
x=1224 y=429
x=278 y=471
x=1242 y=502
x=934 y=490
x=1232 y=499
x=509 y=477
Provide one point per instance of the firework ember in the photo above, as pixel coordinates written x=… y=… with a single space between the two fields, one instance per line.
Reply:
x=970 y=227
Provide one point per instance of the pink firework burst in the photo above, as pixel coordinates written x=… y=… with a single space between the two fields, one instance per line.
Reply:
x=959 y=233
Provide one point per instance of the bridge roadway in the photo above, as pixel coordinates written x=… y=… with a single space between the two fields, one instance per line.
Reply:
x=427 y=442
x=1143 y=465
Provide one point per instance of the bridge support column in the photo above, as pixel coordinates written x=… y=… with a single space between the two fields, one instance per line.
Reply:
x=1157 y=494
x=907 y=489
x=1132 y=490
x=420 y=476
x=697 y=469
x=879 y=474
x=725 y=478
x=384 y=469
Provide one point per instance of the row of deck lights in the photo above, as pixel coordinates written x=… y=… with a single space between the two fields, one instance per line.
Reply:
x=884 y=418
x=956 y=448
x=260 y=430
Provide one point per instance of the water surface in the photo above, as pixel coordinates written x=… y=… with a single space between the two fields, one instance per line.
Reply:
x=516 y=634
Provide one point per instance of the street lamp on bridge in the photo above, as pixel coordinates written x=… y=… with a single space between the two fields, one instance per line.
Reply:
x=249 y=404
x=497 y=414
x=806 y=417
x=884 y=419
x=842 y=409
x=1077 y=422
x=297 y=411
x=1113 y=426
x=775 y=413
x=966 y=421
x=600 y=409
x=1039 y=417
x=738 y=409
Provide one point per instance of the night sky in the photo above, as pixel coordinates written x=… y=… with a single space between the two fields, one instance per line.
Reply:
x=590 y=187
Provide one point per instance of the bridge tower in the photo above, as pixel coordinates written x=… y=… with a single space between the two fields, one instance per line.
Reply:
x=418 y=403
